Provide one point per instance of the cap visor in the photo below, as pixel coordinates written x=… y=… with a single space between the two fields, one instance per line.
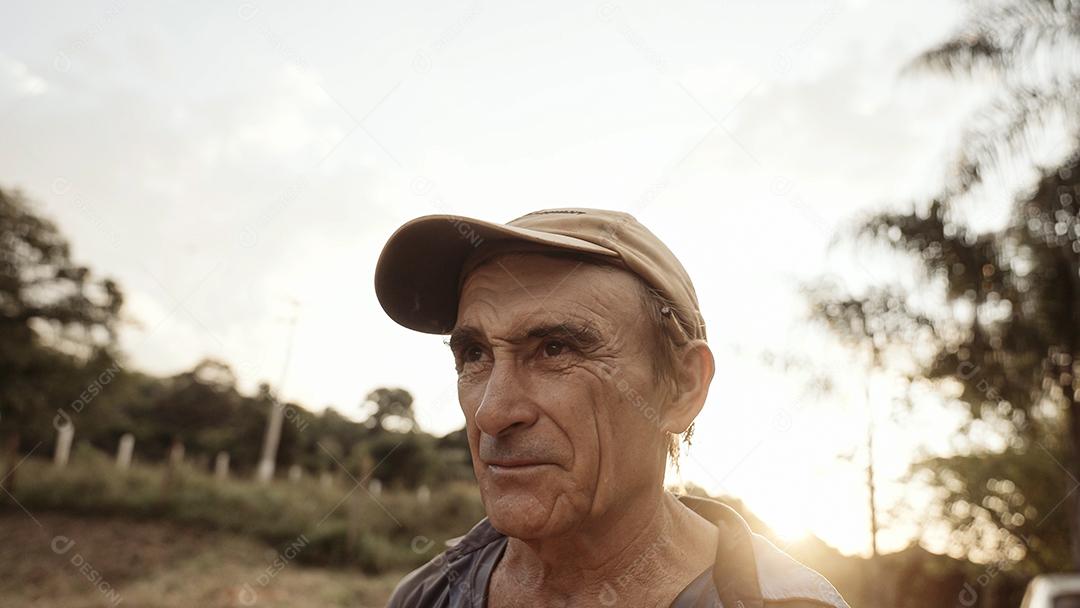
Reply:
x=416 y=278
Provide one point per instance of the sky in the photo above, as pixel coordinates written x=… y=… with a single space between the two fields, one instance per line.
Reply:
x=238 y=165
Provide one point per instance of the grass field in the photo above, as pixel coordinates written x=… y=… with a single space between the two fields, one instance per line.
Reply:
x=90 y=536
x=123 y=562
x=338 y=525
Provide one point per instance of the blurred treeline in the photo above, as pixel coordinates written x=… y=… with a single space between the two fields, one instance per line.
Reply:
x=203 y=410
x=60 y=364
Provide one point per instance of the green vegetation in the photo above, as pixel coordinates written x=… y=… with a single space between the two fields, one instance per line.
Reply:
x=341 y=524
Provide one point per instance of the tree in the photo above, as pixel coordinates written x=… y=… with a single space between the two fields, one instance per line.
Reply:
x=391 y=409
x=402 y=459
x=1027 y=49
x=57 y=323
x=993 y=326
x=994 y=322
x=1002 y=506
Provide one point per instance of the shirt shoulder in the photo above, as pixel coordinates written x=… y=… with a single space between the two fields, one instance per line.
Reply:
x=455 y=577
x=752 y=571
x=784 y=581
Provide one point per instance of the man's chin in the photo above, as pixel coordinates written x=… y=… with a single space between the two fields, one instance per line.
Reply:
x=525 y=516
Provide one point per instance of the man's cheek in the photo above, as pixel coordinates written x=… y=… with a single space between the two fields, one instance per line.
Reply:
x=610 y=436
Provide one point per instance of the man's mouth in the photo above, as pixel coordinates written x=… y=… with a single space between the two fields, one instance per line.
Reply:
x=515 y=466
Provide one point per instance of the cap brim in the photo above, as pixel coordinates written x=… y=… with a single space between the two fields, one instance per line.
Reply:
x=416 y=278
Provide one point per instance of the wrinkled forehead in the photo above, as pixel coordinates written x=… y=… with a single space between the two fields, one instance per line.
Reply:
x=513 y=288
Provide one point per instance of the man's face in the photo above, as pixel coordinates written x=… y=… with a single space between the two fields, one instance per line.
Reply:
x=556 y=381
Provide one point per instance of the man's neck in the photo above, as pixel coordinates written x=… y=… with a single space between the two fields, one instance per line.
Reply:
x=647 y=550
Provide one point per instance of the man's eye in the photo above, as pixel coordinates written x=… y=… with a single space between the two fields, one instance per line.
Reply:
x=554 y=348
x=473 y=353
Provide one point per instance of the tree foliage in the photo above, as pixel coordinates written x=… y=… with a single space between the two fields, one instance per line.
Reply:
x=391 y=409
x=1030 y=51
x=993 y=321
x=57 y=325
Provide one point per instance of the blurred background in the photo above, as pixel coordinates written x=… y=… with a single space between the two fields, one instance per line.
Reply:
x=202 y=403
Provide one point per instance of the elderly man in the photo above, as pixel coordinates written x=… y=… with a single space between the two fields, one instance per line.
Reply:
x=581 y=357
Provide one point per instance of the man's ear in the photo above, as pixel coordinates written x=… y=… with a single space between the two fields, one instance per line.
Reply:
x=694 y=369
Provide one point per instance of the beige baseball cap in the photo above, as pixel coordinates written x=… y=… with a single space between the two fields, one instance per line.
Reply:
x=420 y=271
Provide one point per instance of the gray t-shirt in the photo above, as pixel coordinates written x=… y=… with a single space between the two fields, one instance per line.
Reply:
x=750 y=572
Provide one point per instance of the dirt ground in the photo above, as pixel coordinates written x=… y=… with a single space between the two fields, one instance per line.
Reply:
x=56 y=561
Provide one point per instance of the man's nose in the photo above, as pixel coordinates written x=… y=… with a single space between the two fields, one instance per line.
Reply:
x=506 y=405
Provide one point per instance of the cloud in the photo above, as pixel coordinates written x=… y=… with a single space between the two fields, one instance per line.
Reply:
x=289 y=120
x=16 y=80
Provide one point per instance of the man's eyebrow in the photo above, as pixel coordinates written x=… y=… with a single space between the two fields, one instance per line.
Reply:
x=582 y=335
x=462 y=336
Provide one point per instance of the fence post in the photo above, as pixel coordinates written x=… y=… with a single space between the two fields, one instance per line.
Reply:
x=64 y=436
x=221 y=465
x=124 y=451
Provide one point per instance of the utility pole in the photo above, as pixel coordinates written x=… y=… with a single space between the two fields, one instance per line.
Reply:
x=871 y=582
x=265 y=472
x=870 y=475
x=873 y=363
